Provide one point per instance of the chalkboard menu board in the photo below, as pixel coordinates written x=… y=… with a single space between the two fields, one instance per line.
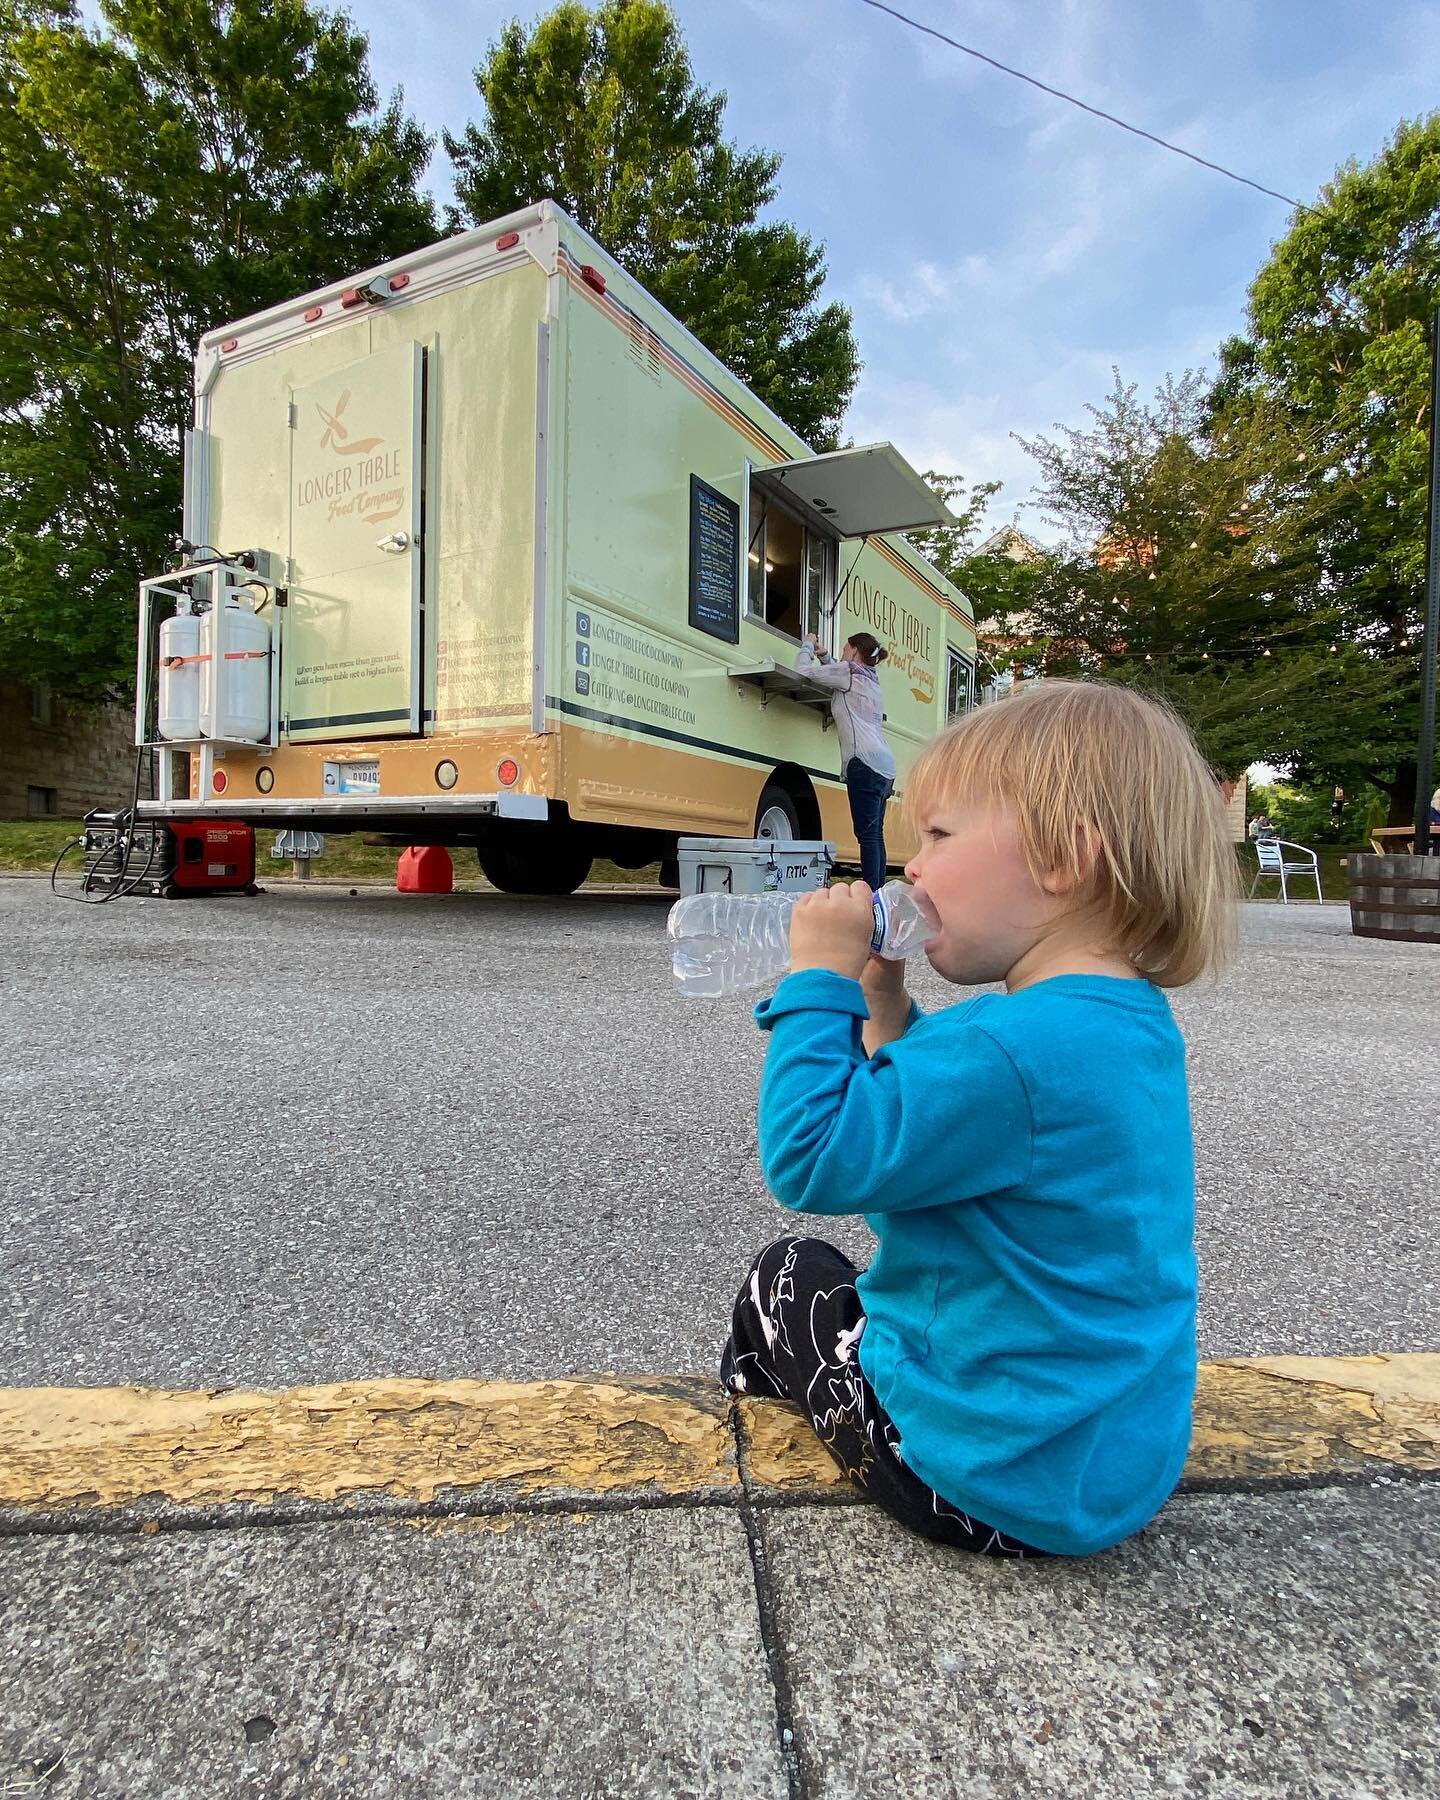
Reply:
x=714 y=562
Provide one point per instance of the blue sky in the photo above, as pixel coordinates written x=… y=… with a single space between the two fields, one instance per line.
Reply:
x=999 y=249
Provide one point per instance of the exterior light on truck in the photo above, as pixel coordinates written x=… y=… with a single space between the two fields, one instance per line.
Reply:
x=219 y=781
x=230 y=344
x=312 y=313
x=373 y=293
x=592 y=277
x=397 y=282
x=507 y=241
x=446 y=774
x=508 y=772
x=265 y=779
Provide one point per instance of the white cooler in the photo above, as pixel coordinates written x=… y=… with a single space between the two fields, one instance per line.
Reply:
x=752 y=866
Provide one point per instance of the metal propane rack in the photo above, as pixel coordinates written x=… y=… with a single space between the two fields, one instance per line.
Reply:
x=211 y=696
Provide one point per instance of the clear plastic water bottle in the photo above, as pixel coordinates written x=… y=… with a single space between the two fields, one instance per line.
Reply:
x=725 y=943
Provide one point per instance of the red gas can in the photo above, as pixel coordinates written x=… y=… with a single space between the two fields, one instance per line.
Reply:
x=425 y=869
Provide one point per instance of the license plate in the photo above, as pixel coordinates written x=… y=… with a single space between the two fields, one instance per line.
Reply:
x=352 y=777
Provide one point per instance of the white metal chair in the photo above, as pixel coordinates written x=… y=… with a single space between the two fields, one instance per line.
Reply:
x=1275 y=865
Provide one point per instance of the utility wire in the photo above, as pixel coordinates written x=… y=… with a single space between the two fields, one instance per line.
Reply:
x=1060 y=94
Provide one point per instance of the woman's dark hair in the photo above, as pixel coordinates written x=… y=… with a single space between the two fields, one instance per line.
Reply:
x=871 y=650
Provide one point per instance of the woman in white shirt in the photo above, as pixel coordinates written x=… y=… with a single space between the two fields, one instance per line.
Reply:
x=866 y=762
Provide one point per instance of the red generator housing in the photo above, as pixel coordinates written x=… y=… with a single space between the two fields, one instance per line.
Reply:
x=211 y=856
x=169 y=860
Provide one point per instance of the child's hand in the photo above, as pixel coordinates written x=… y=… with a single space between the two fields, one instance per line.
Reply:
x=831 y=929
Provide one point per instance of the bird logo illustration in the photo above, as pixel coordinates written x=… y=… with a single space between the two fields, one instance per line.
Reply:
x=336 y=435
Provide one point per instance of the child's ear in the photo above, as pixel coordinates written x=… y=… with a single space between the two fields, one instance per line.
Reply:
x=1061 y=883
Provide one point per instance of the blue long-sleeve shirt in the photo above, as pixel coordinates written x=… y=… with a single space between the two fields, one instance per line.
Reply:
x=1025 y=1162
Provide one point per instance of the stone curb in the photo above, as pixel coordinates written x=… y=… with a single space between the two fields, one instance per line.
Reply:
x=80 y=1459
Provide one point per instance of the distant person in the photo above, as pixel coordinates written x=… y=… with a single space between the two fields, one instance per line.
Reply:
x=1261 y=828
x=1014 y=1372
x=866 y=762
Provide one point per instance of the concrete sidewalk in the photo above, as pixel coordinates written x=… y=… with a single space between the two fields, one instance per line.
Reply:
x=633 y=1587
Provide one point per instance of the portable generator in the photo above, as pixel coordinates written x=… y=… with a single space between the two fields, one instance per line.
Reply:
x=171 y=859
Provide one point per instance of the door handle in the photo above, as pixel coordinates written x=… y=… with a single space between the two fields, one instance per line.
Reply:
x=395 y=544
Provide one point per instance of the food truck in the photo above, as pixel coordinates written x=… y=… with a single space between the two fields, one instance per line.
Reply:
x=484 y=548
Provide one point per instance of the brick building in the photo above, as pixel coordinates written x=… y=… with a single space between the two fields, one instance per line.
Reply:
x=61 y=758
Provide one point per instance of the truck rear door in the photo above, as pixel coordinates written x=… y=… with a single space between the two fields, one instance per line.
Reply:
x=352 y=661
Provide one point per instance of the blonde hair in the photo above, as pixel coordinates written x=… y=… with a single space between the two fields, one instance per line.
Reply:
x=1108 y=787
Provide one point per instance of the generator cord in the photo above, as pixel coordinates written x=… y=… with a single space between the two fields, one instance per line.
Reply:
x=125 y=823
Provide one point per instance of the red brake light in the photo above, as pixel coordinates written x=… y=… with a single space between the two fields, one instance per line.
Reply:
x=352 y=297
x=508 y=772
x=397 y=282
x=507 y=241
x=592 y=277
x=219 y=781
x=312 y=313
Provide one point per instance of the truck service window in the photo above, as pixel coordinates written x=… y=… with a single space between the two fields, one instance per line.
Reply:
x=959 y=685
x=791 y=571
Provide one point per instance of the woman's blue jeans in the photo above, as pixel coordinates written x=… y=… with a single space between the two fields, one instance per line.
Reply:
x=868 y=794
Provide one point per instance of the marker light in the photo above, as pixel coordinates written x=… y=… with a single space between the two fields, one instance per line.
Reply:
x=592 y=277
x=508 y=772
x=507 y=241
x=312 y=313
x=397 y=282
x=446 y=774
x=219 y=781
x=265 y=779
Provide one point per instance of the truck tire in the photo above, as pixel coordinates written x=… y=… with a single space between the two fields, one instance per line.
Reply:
x=551 y=865
x=776 y=817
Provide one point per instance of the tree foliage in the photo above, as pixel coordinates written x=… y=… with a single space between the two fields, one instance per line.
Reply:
x=599 y=111
x=1340 y=317
x=195 y=163
x=1188 y=565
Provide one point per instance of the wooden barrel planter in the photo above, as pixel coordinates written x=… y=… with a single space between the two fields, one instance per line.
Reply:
x=1396 y=897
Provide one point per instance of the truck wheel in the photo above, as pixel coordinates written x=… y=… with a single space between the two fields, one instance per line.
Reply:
x=776 y=817
x=550 y=866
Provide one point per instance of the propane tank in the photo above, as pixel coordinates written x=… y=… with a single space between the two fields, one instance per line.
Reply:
x=180 y=677
x=235 y=685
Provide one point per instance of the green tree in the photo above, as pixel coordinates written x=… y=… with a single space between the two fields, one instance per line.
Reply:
x=1000 y=588
x=1190 y=567
x=1339 y=321
x=196 y=163
x=599 y=111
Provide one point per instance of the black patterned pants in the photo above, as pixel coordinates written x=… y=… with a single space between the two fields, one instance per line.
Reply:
x=795 y=1335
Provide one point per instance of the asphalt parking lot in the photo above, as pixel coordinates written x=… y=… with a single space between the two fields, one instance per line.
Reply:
x=310 y=1136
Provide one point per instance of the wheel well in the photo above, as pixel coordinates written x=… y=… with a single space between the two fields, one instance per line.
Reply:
x=796 y=783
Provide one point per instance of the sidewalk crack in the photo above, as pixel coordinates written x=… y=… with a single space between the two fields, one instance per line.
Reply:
x=771 y=1636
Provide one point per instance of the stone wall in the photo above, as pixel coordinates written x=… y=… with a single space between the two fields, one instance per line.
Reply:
x=61 y=758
